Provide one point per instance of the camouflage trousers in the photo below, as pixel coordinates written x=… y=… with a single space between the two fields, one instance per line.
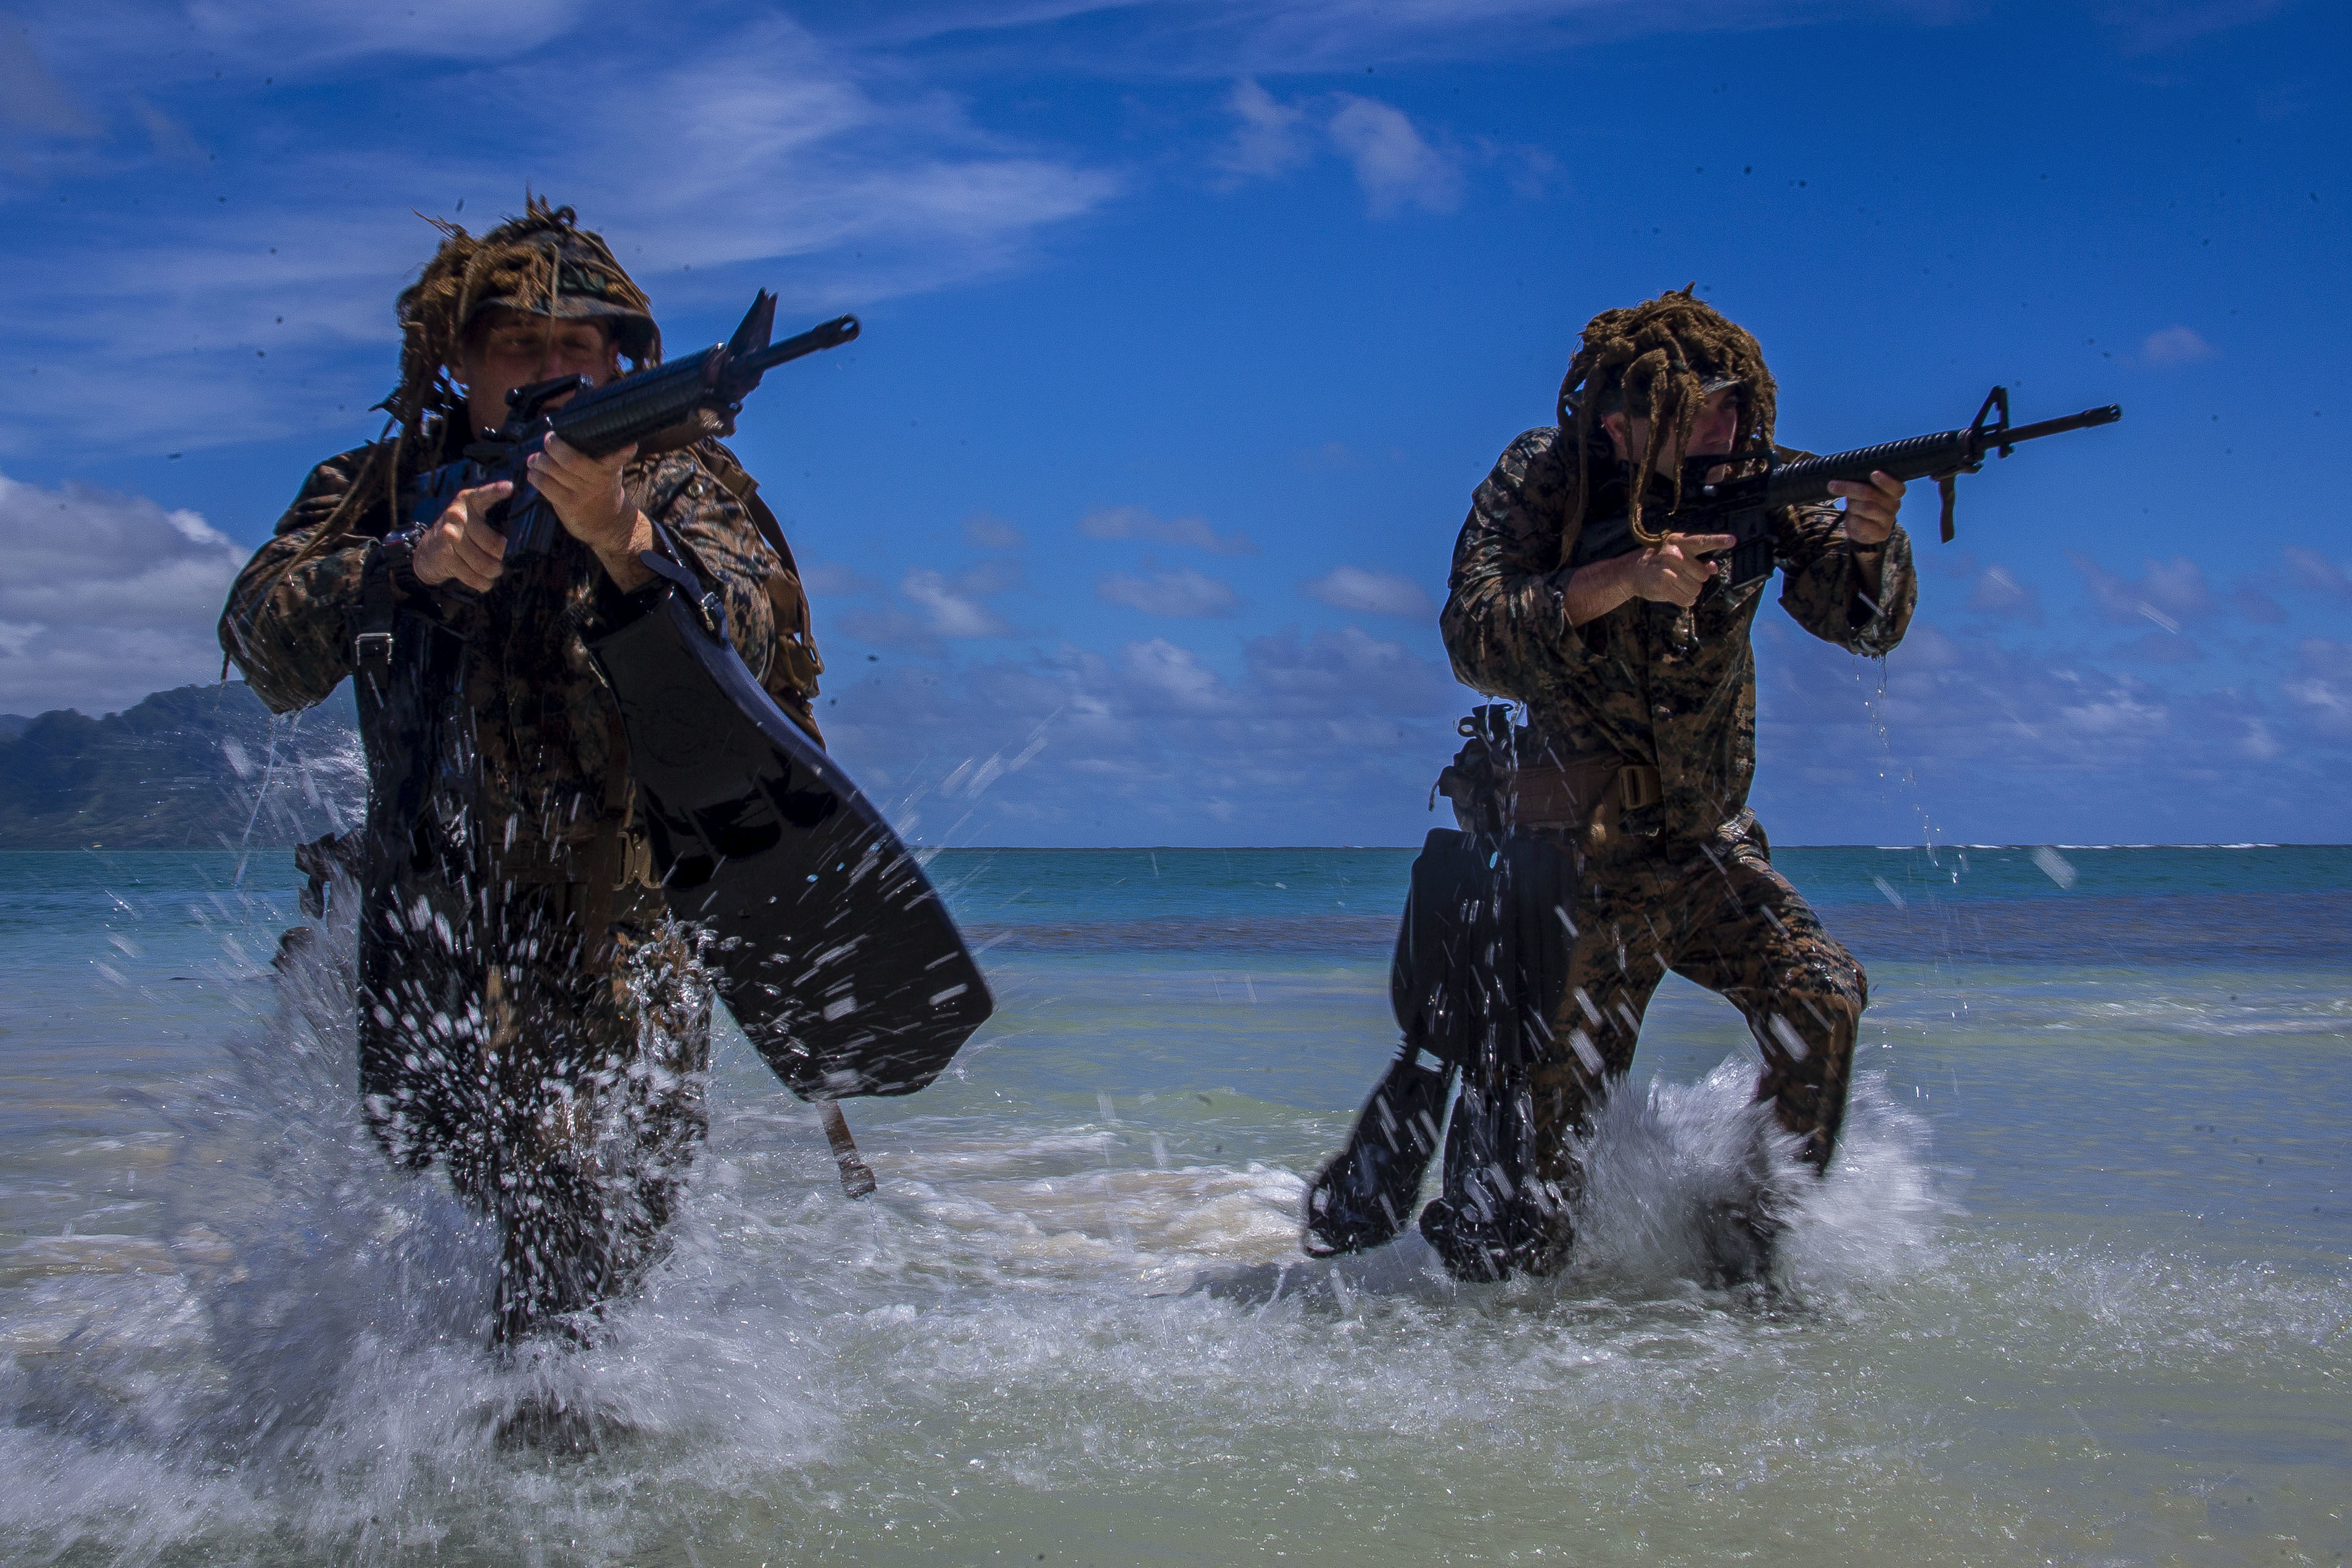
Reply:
x=548 y=1043
x=1717 y=914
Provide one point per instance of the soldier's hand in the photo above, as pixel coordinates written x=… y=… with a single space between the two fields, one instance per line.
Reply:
x=1671 y=573
x=586 y=493
x=462 y=544
x=1870 y=508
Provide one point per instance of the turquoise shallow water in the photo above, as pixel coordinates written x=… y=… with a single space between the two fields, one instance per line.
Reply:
x=2080 y=1289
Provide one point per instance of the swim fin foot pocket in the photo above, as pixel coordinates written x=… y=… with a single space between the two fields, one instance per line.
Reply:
x=1482 y=1238
x=829 y=945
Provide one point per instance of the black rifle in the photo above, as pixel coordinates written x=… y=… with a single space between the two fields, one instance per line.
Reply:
x=672 y=405
x=1743 y=504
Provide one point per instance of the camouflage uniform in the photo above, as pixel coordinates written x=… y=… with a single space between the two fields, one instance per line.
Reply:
x=529 y=1016
x=1685 y=883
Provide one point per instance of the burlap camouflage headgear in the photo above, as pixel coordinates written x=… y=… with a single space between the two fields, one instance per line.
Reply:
x=1658 y=361
x=541 y=263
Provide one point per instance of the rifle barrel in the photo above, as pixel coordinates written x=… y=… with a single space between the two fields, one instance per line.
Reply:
x=826 y=335
x=2083 y=421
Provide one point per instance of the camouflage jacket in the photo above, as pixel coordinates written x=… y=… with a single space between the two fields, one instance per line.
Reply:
x=1645 y=683
x=550 y=753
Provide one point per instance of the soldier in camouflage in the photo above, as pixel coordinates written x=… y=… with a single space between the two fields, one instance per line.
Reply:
x=1640 y=688
x=528 y=1017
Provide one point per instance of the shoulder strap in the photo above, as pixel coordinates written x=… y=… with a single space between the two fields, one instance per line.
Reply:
x=792 y=669
x=738 y=482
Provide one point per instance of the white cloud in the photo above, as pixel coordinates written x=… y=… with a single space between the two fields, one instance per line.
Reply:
x=955 y=605
x=1362 y=591
x=1348 y=669
x=107 y=597
x=1313 y=739
x=1140 y=524
x=2315 y=571
x=2175 y=346
x=1394 y=165
x=1183 y=592
x=2167 y=593
x=1161 y=673
x=1272 y=137
x=1998 y=593
x=2323 y=693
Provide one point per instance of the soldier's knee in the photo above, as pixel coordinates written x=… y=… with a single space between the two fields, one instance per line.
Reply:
x=1838 y=977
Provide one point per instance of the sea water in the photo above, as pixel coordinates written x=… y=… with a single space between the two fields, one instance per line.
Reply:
x=2076 y=1291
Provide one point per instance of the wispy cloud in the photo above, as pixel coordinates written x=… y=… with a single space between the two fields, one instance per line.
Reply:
x=947 y=608
x=2167 y=593
x=989 y=531
x=2146 y=26
x=1310 y=739
x=1219 y=38
x=958 y=605
x=2322 y=693
x=1394 y=164
x=1141 y=523
x=2313 y=570
x=1335 y=671
x=1271 y=138
x=2175 y=346
x=1997 y=591
x=1364 y=591
x=1181 y=593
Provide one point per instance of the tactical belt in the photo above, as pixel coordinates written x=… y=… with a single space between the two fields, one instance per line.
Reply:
x=1597 y=793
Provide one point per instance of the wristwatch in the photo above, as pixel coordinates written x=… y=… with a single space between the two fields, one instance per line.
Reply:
x=400 y=563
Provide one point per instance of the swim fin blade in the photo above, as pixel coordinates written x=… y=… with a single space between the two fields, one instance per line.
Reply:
x=1364 y=1197
x=829 y=945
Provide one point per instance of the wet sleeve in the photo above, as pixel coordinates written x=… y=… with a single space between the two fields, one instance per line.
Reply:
x=292 y=612
x=1825 y=590
x=693 y=507
x=1506 y=619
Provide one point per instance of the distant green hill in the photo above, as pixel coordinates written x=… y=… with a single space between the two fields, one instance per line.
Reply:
x=194 y=768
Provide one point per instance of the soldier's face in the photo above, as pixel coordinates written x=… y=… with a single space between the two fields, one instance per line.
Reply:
x=1719 y=422
x=515 y=349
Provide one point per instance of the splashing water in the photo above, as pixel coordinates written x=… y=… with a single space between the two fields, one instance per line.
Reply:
x=1085 y=1331
x=307 y=1367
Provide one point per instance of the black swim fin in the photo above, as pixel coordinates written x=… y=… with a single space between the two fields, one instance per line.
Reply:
x=1364 y=1197
x=830 y=945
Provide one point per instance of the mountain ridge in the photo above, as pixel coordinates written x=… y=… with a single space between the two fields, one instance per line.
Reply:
x=197 y=767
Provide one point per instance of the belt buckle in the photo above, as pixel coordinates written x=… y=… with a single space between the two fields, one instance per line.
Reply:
x=377 y=645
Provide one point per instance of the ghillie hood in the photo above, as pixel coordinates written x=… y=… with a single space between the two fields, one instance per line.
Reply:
x=1658 y=361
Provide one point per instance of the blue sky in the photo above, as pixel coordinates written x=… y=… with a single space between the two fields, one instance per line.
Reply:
x=1190 y=326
